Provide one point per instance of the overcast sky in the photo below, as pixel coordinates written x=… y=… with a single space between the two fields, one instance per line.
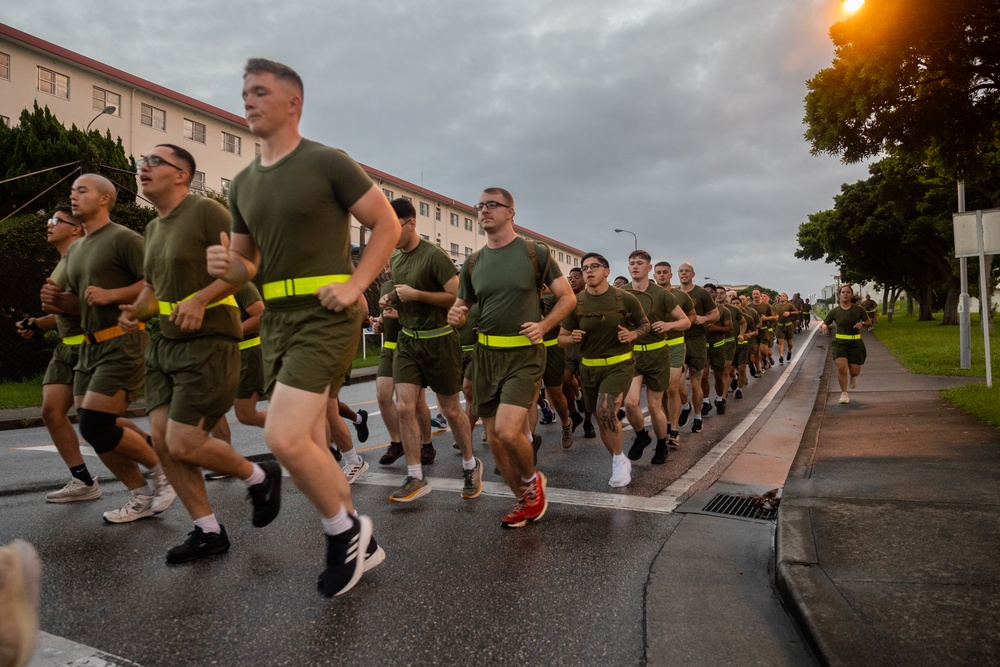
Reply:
x=680 y=121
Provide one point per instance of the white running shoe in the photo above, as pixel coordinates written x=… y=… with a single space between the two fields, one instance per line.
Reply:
x=354 y=470
x=163 y=492
x=139 y=506
x=854 y=381
x=844 y=398
x=621 y=472
x=74 y=491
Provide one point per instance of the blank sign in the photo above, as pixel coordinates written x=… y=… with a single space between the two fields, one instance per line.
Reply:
x=966 y=242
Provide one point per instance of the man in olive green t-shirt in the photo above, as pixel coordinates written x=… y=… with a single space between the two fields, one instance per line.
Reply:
x=664 y=273
x=767 y=323
x=697 y=353
x=785 y=329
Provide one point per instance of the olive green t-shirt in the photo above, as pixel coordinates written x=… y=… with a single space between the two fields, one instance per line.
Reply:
x=738 y=320
x=869 y=305
x=175 y=264
x=600 y=320
x=725 y=317
x=66 y=325
x=686 y=304
x=468 y=333
x=763 y=310
x=549 y=302
x=783 y=310
x=426 y=268
x=752 y=319
x=109 y=258
x=245 y=297
x=505 y=286
x=661 y=304
x=296 y=211
x=846 y=319
x=390 y=325
x=703 y=305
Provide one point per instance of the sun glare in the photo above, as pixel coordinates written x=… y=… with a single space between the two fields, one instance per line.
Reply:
x=852 y=6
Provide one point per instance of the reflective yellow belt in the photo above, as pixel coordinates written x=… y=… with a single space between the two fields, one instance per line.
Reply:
x=719 y=344
x=108 y=334
x=550 y=342
x=74 y=340
x=848 y=336
x=468 y=348
x=489 y=340
x=427 y=333
x=675 y=341
x=652 y=346
x=301 y=286
x=742 y=342
x=389 y=345
x=250 y=342
x=765 y=328
x=607 y=361
x=728 y=340
x=167 y=307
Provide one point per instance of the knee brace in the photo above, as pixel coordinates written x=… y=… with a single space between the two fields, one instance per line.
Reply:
x=99 y=429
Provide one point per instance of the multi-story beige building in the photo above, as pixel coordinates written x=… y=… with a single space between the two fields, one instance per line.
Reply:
x=82 y=91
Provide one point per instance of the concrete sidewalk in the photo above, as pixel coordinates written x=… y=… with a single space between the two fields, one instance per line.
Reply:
x=888 y=532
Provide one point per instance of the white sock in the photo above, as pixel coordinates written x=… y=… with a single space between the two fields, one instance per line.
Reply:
x=256 y=476
x=352 y=456
x=470 y=464
x=416 y=472
x=530 y=479
x=208 y=524
x=357 y=419
x=686 y=406
x=144 y=490
x=619 y=457
x=338 y=523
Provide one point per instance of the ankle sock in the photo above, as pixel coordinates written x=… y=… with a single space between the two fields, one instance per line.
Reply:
x=81 y=473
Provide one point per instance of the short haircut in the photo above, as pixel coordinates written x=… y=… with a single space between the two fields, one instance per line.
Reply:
x=66 y=210
x=183 y=156
x=403 y=208
x=622 y=278
x=640 y=253
x=283 y=72
x=710 y=286
x=599 y=257
x=503 y=193
x=104 y=187
x=659 y=264
x=576 y=269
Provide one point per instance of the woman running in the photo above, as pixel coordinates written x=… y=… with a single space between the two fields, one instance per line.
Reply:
x=848 y=348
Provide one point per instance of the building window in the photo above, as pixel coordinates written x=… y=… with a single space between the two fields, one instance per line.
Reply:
x=468 y=224
x=468 y=251
x=198 y=181
x=5 y=66
x=576 y=262
x=454 y=250
x=437 y=213
x=105 y=98
x=425 y=210
x=152 y=117
x=194 y=130
x=454 y=219
x=561 y=258
x=553 y=251
x=53 y=83
x=256 y=149
x=387 y=193
x=232 y=144
x=225 y=187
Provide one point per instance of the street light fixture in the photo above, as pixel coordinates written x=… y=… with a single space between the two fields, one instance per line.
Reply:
x=111 y=108
x=634 y=237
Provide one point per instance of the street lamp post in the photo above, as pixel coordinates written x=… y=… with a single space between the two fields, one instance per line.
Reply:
x=634 y=237
x=108 y=109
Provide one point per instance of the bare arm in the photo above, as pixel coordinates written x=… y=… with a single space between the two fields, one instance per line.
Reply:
x=563 y=307
x=442 y=299
x=251 y=326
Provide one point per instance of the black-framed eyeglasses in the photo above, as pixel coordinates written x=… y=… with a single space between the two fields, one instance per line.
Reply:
x=491 y=205
x=592 y=267
x=53 y=221
x=153 y=161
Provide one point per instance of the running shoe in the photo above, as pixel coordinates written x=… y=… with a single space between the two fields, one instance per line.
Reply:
x=739 y=394
x=548 y=416
x=266 y=496
x=734 y=384
x=621 y=472
x=337 y=456
x=844 y=398
x=198 y=545
x=674 y=439
x=354 y=470
x=530 y=507
x=641 y=441
x=19 y=592
x=720 y=406
x=706 y=408
x=74 y=491
x=660 y=455
x=788 y=357
x=472 y=484
x=781 y=360
x=343 y=565
x=163 y=493
x=685 y=413
x=427 y=454
x=438 y=421
x=411 y=489
x=214 y=476
x=696 y=426
x=139 y=506
x=375 y=555
x=621 y=414
x=567 y=437
x=394 y=451
x=854 y=382
x=588 y=430
x=362 y=428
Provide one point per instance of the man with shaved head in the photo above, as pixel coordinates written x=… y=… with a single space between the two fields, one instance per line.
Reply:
x=706 y=313
x=104 y=270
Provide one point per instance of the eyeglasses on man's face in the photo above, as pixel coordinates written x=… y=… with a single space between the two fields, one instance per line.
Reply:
x=153 y=161
x=54 y=220
x=491 y=205
x=592 y=267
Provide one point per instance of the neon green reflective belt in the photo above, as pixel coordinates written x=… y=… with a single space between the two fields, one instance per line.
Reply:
x=675 y=341
x=848 y=336
x=607 y=361
x=728 y=340
x=250 y=342
x=428 y=333
x=468 y=348
x=742 y=342
x=719 y=344
x=652 y=346
x=489 y=340
x=167 y=307
x=74 y=340
x=550 y=342
x=389 y=345
x=301 y=286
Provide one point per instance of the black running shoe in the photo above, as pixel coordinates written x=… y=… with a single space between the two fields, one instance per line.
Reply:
x=642 y=440
x=660 y=455
x=706 y=408
x=362 y=428
x=753 y=370
x=576 y=418
x=375 y=554
x=427 y=454
x=734 y=384
x=198 y=545
x=696 y=426
x=739 y=394
x=266 y=496
x=781 y=360
x=788 y=357
x=345 y=558
x=212 y=476
x=394 y=452
x=621 y=414
x=683 y=419
x=674 y=439
x=720 y=406
x=588 y=430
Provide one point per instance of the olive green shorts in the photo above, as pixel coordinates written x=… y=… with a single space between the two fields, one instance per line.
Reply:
x=696 y=356
x=742 y=356
x=730 y=350
x=573 y=358
x=511 y=375
x=309 y=348
x=60 y=368
x=196 y=377
x=717 y=357
x=112 y=366
x=251 y=373
x=785 y=332
x=677 y=354
x=611 y=380
x=853 y=350
x=555 y=364
x=385 y=363
x=429 y=362
x=467 y=366
x=654 y=366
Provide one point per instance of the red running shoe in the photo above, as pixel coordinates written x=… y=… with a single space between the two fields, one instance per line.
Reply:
x=530 y=507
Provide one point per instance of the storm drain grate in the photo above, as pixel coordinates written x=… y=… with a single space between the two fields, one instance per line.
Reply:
x=741 y=506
